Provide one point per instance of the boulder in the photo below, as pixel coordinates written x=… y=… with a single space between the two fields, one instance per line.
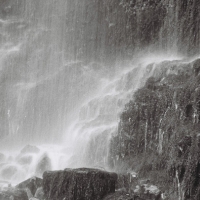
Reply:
x=32 y=184
x=147 y=191
x=78 y=184
x=43 y=165
x=13 y=194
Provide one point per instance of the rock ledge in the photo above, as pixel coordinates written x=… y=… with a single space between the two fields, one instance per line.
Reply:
x=78 y=184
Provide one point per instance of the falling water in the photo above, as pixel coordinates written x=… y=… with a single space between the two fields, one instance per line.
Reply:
x=56 y=91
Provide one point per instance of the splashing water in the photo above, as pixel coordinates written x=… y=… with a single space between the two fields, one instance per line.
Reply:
x=65 y=108
x=86 y=140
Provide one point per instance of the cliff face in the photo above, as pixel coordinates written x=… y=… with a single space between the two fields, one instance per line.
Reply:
x=109 y=30
x=158 y=132
x=169 y=24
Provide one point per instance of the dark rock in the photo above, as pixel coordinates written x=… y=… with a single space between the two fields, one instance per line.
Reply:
x=189 y=110
x=13 y=194
x=184 y=144
x=122 y=181
x=127 y=181
x=158 y=132
x=78 y=184
x=32 y=184
x=43 y=165
x=147 y=191
x=119 y=196
x=39 y=194
x=30 y=149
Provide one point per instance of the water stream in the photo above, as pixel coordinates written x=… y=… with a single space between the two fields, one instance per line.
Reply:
x=65 y=106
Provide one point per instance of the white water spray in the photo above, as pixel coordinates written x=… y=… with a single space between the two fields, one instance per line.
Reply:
x=51 y=99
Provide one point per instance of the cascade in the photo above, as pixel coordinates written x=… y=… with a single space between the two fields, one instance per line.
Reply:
x=67 y=69
x=86 y=141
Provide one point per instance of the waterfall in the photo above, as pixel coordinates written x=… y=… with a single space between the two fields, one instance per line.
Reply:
x=86 y=141
x=67 y=69
x=89 y=136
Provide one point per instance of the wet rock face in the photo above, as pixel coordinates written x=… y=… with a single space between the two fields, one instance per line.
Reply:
x=39 y=194
x=78 y=184
x=33 y=184
x=119 y=196
x=29 y=189
x=13 y=194
x=159 y=129
x=147 y=191
x=43 y=165
x=126 y=181
x=143 y=192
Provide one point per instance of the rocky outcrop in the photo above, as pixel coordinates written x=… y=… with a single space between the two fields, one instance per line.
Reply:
x=13 y=194
x=30 y=189
x=83 y=183
x=143 y=191
x=158 y=133
x=147 y=191
x=32 y=184
x=43 y=165
x=119 y=196
x=39 y=194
